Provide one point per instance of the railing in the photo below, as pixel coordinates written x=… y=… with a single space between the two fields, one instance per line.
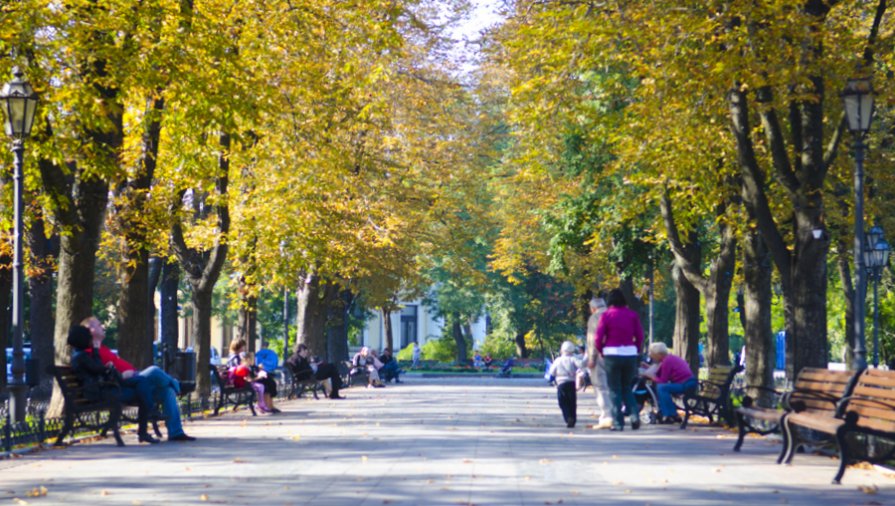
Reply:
x=37 y=428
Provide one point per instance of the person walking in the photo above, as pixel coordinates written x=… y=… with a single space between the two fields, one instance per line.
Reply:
x=619 y=341
x=597 y=366
x=564 y=369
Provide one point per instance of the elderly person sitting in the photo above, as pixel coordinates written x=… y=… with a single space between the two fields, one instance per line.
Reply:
x=365 y=360
x=672 y=377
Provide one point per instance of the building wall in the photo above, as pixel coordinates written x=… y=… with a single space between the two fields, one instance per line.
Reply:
x=428 y=327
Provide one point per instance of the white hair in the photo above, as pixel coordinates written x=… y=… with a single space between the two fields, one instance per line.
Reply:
x=597 y=303
x=658 y=348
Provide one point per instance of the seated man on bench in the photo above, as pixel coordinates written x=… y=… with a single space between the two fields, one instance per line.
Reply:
x=155 y=381
x=303 y=368
x=390 y=369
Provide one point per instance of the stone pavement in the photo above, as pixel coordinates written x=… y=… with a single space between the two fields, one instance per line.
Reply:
x=481 y=441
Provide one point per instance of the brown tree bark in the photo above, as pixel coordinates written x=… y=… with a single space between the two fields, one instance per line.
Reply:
x=457 y=332
x=387 y=327
x=203 y=267
x=521 y=349
x=311 y=315
x=756 y=310
x=686 y=319
x=40 y=288
x=337 y=326
x=715 y=287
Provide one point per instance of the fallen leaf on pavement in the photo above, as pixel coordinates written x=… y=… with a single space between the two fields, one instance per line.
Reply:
x=103 y=492
x=37 y=492
x=869 y=489
x=203 y=497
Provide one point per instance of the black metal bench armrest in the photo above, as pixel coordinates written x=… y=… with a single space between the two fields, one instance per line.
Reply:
x=845 y=400
x=799 y=406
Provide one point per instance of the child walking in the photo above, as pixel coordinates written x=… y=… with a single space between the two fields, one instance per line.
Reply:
x=564 y=370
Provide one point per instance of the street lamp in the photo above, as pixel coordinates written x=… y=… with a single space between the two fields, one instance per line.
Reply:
x=858 y=101
x=19 y=102
x=876 y=257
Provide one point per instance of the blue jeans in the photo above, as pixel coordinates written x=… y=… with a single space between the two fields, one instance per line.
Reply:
x=154 y=385
x=621 y=371
x=666 y=390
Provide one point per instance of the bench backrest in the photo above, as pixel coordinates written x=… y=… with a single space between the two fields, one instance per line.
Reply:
x=71 y=386
x=719 y=379
x=221 y=374
x=818 y=389
x=873 y=399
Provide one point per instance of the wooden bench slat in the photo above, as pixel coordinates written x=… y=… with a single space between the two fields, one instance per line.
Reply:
x=875 y=392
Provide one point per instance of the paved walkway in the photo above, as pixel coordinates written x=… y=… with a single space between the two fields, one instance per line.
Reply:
x=483 y=441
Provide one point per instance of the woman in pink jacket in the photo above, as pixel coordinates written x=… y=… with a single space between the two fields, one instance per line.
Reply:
x=620 y=341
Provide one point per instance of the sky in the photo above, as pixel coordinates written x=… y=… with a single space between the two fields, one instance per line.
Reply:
x=484 y=15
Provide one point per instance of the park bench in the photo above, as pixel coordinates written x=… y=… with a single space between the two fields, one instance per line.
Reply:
x=712 y=398
x=231 y=394
x=818 y=390
x=299 y=385
x=83 y=412
x=869 y=410
x=357 y=375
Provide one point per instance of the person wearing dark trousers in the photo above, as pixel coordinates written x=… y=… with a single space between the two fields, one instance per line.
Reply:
x=619 y=341
x=303 y=368
x=564 y=370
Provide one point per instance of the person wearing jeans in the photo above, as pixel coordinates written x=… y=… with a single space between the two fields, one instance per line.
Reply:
x=673 y=377
x=619 y=340
x=152 y=382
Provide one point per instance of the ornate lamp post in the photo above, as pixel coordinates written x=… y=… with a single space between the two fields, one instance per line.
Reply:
x=19 y=102
x=876 y=257
x=858 y=101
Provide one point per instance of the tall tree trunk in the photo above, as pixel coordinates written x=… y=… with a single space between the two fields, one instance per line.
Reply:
x=40 y=287
x=686 y=319
x=715 y=288
x=203 y=267
x=168 y=316
x=247 y=317
x=134 y=319
x=387 y=327
x=759 y=339
x=848 y=291
x=337 y=328
x=77 y=264
x=801 y=263
x=457 y=331
x=311 y=315
x=521 y=349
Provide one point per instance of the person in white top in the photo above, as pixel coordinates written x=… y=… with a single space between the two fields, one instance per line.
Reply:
x=564 y=369
x=597 y=367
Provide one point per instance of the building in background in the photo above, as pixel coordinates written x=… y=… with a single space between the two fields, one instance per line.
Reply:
x=415 y=322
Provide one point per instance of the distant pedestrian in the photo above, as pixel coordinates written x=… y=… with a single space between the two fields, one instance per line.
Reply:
x=416 y=355
x=564 y=369
x=619 y=341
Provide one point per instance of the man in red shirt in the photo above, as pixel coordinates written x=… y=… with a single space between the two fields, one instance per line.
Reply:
x=152 y=381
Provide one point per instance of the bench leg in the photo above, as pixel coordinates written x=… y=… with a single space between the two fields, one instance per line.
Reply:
x=741 y=425
x=687 y=410
x=220 y=402
x=790 y=448
x=843 y=455
x=114 y=421
x=784 y=433
x=252 y=403
x=69 y=425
